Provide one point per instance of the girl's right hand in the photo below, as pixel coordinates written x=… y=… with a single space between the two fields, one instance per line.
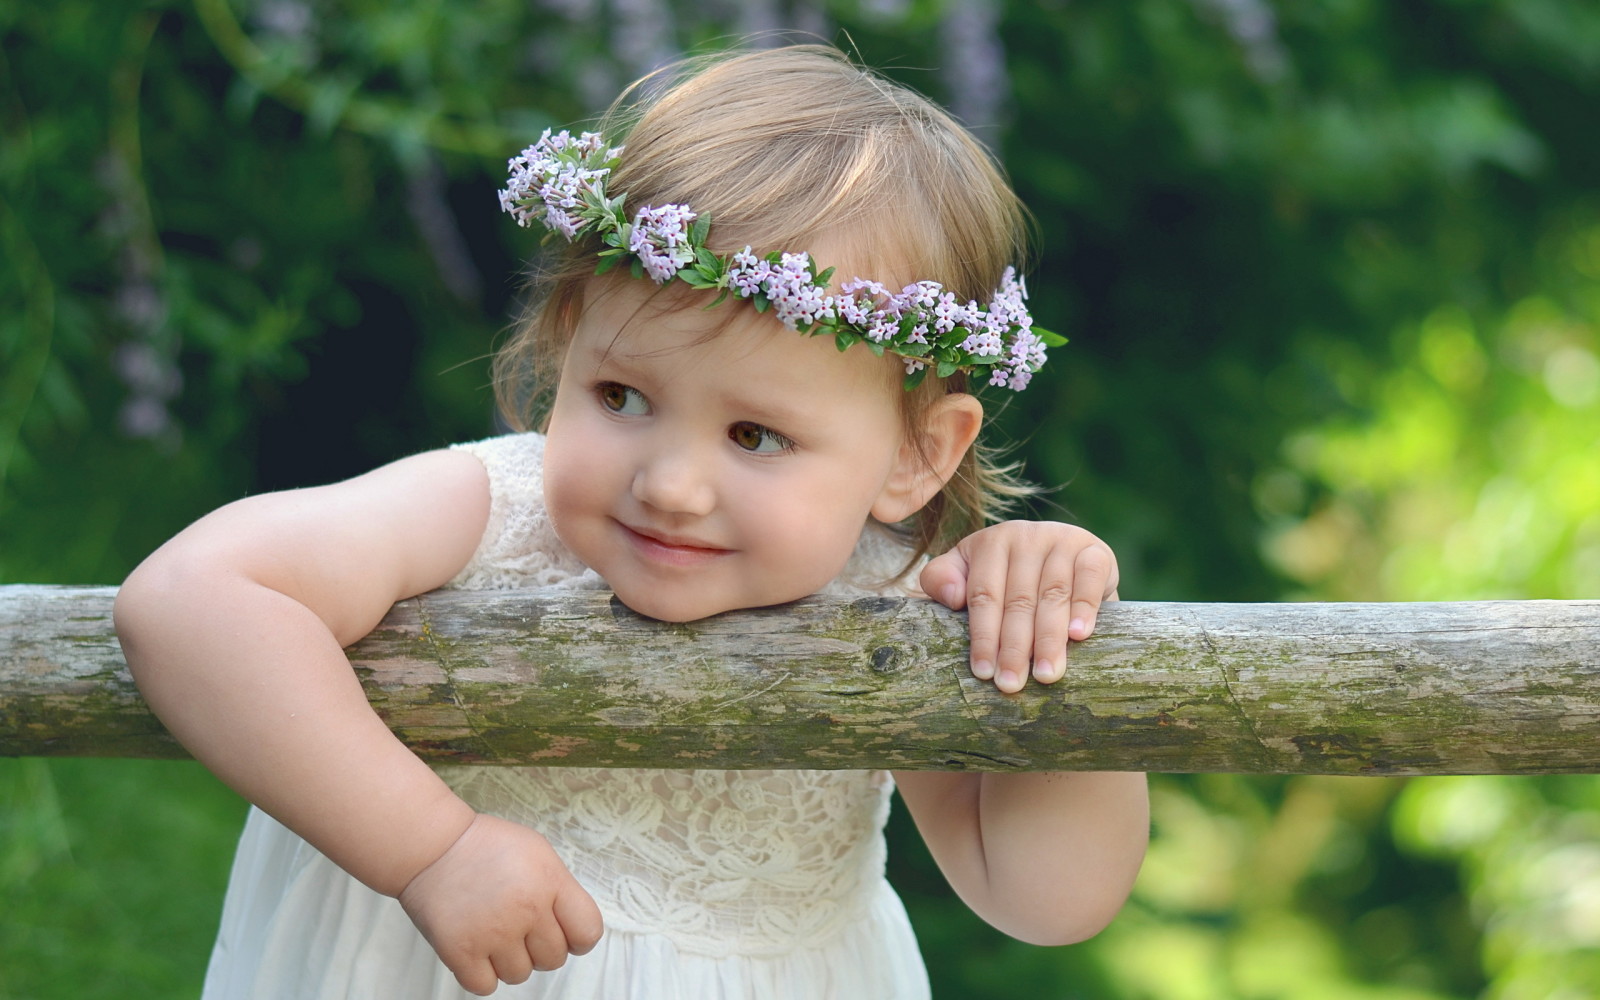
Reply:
x=499 y=904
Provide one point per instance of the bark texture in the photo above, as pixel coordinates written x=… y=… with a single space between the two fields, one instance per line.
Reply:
x=576 y=679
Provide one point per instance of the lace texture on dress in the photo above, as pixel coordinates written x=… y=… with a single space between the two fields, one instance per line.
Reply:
x=519 y=547
x=719 y=862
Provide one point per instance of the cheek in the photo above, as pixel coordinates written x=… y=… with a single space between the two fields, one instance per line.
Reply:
x=813 y=526
x=574 y=472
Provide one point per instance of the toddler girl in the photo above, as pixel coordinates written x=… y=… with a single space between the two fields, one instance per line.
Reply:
x=804 y=436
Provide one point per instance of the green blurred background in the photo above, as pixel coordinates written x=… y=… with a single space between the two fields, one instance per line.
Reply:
x=1332 y=276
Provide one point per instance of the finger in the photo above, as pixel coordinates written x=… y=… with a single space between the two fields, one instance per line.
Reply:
x=547 y=945
x=513 y=964
x=580 y=919
x=476 y=976
x=1094 y=578
x=985 y=597
x=944 y=579
x=1020 y=610
x=1057 y=585
x=548 y=941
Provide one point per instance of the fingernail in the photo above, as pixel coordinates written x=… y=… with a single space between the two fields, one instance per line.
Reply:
x=1007 y=681
x=1044 y=670
x=1075 y=628
x=952 y=594
x=983 y=670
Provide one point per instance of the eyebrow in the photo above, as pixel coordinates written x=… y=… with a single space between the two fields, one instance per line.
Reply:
x=767 y=413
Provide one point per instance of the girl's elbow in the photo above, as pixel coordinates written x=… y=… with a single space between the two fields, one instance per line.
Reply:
x=137 y=610
x=1066 y=925
x=1079 y=929
x=154 y=603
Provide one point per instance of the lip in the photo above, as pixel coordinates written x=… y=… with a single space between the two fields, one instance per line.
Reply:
x=672 y=550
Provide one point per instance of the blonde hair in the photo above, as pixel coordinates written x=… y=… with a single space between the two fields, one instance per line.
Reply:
x=783 y=148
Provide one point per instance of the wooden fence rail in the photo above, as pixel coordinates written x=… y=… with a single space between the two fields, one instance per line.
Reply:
x=534 y=678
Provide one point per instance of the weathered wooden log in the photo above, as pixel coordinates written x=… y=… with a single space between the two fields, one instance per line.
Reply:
x=576 y=679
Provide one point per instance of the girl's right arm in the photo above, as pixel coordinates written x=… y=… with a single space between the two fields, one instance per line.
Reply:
x=234 y=631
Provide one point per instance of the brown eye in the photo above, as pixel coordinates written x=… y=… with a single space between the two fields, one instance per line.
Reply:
x=753 y=437
x=622 y=399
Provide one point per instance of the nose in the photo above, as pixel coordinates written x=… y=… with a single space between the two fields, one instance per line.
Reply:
x=675 y=479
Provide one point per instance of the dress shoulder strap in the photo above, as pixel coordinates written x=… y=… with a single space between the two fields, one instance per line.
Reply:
x=519 y=546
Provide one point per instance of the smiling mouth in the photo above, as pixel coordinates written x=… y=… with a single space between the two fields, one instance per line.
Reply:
x=671 y=550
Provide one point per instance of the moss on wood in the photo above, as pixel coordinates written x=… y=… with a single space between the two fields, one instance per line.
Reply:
x=522 y=677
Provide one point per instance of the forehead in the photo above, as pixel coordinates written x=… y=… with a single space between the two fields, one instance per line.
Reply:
x=629 y=327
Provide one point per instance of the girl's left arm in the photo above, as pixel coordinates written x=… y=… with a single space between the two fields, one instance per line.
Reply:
x=1048 y=858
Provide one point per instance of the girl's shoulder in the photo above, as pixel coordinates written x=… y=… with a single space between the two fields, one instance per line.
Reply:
x=519 y=546
x=506 y=451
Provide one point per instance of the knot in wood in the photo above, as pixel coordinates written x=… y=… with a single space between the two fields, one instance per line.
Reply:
x=886 y=660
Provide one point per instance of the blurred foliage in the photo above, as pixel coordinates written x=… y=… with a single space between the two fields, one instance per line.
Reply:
x=1471 y=468
x=1332 y=277
x=112 y=873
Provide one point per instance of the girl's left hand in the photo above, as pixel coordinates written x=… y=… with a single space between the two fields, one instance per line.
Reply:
x=1028 y=587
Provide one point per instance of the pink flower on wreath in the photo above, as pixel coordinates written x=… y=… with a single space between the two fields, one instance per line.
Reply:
x=796 y=299
x=660 y=239
x=1007 y=308
x=559 y=185
x=923 y=294
x=949 y=314
x=985 y=343
x=745 y=272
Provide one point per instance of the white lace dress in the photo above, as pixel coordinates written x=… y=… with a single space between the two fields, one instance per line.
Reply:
x=713 y=884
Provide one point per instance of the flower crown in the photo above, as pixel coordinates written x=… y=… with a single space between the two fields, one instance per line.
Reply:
x=559 y=182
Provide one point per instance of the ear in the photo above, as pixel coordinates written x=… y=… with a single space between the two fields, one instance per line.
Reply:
x=948 y=430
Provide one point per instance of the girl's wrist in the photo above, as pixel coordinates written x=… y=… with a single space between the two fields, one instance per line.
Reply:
x=407 y=853
x=472 y=818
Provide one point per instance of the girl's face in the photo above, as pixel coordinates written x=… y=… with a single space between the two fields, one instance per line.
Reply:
x=700 y=475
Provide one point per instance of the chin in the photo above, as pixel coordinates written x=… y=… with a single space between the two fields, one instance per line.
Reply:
x=689 y=607
x=669 y=609
x=670 y=614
